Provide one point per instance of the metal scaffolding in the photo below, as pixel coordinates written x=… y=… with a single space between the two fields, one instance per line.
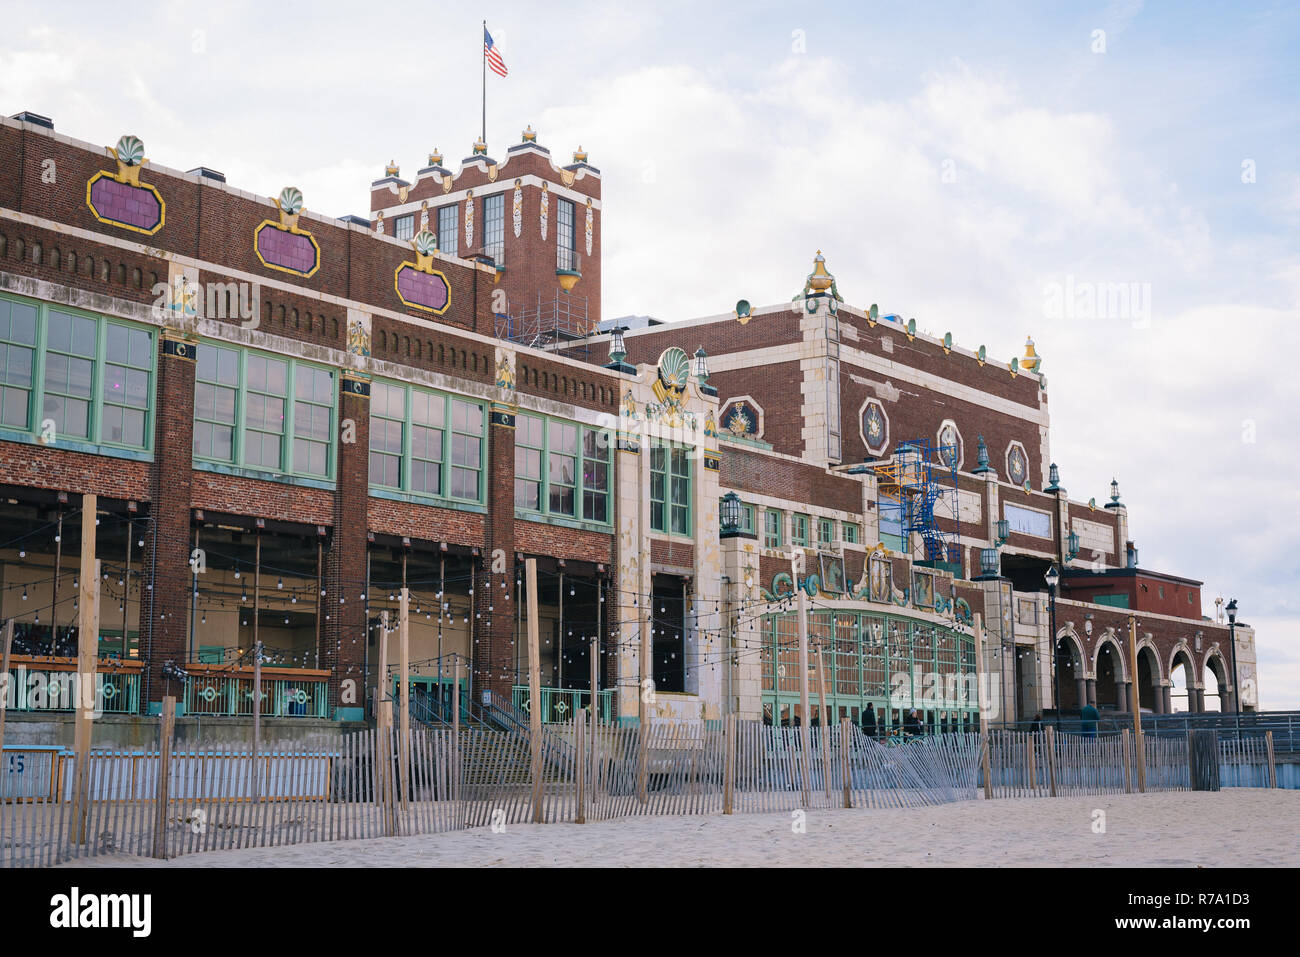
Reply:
x=913 y=478
x=561 y=319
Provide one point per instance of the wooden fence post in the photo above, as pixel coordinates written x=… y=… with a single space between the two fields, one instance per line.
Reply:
x=4 y=678
x=579 y=747
x=729 y=764
x=823 y=725
x=985 y=749
x=1137 y=711
x=1031 y=763
x=404 y=692
x=87 y=661
x=1272 y=768
x=1051 y=761
x=846 y=735
x=455 y=727
x=383 y=756
x=1125 y=738
x=166 y=731
x=805 y=745
x=534 y=690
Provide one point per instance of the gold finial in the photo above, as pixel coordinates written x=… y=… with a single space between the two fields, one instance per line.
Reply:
x=580 y=155
x=530 y=135
x=435 y=158
x=480 y=148
x=820 y=280
x=1032 y=360
x=391 y=169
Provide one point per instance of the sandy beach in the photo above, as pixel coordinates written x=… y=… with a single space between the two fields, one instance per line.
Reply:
x=1235 y=827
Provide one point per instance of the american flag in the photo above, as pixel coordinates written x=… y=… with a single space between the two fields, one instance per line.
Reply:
x=494 y=60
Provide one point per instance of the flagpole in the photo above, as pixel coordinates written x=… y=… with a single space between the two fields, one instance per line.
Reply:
x=483 y=47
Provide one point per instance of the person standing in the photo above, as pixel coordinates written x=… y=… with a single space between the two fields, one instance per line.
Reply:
x=869 y=721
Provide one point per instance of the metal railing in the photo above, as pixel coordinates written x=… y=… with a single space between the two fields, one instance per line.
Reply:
x=559 y=705
x=223 y=691
x=52 y=684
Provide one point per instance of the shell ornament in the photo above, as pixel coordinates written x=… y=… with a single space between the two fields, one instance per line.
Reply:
x=290 y=200
x=130 y=150
x=425 y=243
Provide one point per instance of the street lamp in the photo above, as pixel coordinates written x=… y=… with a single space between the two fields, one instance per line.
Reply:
x=617 y=350
x=1236 y=680
x=1052 y=577
x=730 y=510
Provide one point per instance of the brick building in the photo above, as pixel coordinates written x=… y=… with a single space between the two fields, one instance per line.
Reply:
x=287 y=418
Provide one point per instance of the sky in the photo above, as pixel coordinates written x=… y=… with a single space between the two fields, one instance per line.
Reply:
x=991 y=170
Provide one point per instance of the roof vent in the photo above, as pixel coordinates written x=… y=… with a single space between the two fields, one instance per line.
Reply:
x=207 y=173
x=357 y=220
x=34 y=118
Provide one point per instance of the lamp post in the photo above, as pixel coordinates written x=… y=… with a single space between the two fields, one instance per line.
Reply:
x=1236 y=680
x=1052 y=577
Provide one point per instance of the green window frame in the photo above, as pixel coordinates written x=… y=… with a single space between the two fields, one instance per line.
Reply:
x=747 y=519
x=799 y=529
x=826 y=532
x=426 y=443
x=268 y=413
x=69 y=374
x=670 y=489
x=773 y=522
x=850 y=532
x=562 y=469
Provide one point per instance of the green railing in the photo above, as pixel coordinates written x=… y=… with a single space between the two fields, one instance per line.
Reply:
x=52 y=684
x=560 y=704
x=218 y=690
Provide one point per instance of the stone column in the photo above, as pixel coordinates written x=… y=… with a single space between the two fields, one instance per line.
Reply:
x=165 y=603
x=1124 y=691
x=1164 y=695
x=1092 y=692
x=1081 y=686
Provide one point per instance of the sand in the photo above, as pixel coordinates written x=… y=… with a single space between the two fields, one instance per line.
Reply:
x=1235 y=827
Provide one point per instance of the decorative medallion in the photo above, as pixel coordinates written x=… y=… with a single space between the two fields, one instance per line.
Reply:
x=469 y=219
x=358 y=337
x=546 y=208
x=518 y=210
x=379 y=223
x=283 y=246
x=874 y=426
x=418 y=284
x=742 y=418
x=674 y=369
x=120 y=199
x=947 y=343
x=589 y=216
x=1017 y=464
x=424 y=215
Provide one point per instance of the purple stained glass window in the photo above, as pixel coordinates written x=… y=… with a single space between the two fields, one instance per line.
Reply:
x=422 y=289
x=127 y=205
x=293 y=251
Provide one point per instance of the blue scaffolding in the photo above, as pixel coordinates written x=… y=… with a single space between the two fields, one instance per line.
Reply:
x=914 y=477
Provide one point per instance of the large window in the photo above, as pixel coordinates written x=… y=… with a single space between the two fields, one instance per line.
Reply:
x=670 y=489
x=799 y=530
x=772 y=527
x=850 y=532
x=263 y=412
x=68 y=375
x=426 y=442
x=448 y=221
x=404 y=226
x=825 y=533
x=891 y=521
x=561 y=467
x=565 y=257
x=494 y=226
